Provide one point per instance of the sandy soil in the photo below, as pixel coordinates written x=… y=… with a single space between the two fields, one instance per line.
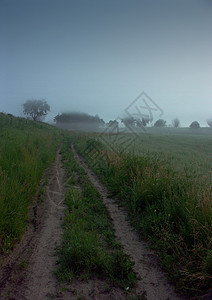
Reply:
x=152 y=279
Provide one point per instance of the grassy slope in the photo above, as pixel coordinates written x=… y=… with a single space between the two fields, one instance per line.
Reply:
x=26 y=149
x=171 y=208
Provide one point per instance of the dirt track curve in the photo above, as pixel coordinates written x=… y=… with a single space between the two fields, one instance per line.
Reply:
x=28 y=273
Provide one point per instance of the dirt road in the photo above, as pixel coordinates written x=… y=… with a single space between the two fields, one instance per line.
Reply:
x=28 y=273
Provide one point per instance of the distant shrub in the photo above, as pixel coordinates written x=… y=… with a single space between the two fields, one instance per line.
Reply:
x=79 y=121
x=160 y=123
x=176 y=123
x=194 y=124
x=10 y=115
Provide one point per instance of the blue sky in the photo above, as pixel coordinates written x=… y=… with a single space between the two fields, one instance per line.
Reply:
x=98 y=56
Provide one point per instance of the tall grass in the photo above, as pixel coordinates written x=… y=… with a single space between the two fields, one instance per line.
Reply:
x=26 y=149
x=166 y=206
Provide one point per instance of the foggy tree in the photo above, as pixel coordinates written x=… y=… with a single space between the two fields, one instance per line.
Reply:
x=160 y=123
x=142 y=122
x=194 y=124
x=128 y=121
x=132 y=122
x=209 y=121
x=176 y=123
x=79 y=121
x=112 y=124
x=36 y=109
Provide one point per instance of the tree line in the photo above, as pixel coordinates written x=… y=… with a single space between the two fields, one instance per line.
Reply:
x=38 y=109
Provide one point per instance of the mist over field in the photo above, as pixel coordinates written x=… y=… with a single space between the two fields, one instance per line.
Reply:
x=119 y=189
x=98 y=56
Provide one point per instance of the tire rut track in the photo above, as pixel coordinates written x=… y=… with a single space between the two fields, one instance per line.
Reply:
x=151 y=278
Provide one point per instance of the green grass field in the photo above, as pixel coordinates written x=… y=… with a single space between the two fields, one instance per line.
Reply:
x=163 y=179
x=27 y=148
x=183 y=148
x=165 y=183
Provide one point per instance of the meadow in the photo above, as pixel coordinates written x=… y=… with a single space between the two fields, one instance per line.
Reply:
x=185 y=149
x=89 y=247
x=164 y=181
x=162 y=178
x=27 y=148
